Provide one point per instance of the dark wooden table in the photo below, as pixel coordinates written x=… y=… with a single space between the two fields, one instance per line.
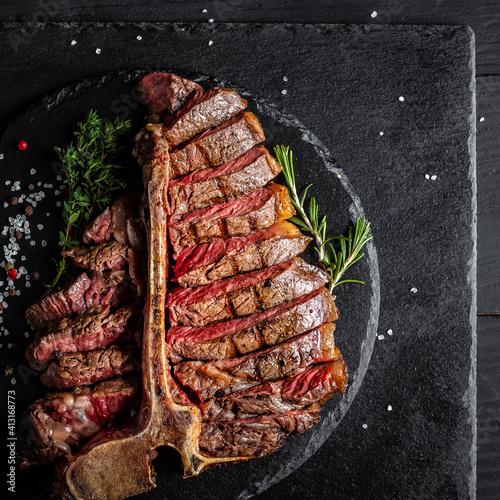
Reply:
x=483 y=16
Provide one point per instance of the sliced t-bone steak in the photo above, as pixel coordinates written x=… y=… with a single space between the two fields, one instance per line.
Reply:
x=98 y=230
x=55 y=424
x=317 y=383
x=217 y=146
x=105 y=256
x=259 y=209
x=241 y=336
x=84 y=292
x=209 y=262
x=86 y=368
x=227 y=376
x=165 y=92
x=244 y=294
x=236 y=178
x=202 y=111
x=255 y=437
x=88 y=330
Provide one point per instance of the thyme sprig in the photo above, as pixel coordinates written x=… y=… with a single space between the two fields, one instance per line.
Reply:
x=91 y=177
x=335 y=261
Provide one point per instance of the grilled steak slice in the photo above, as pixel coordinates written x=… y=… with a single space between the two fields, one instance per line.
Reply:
x=244 y=335
x=260 y=209
x=202 y=111
x=227 y=376
x=236 y=178
x=164 y=92
x=244 y=294
x=115 y=222
x=86 y=368
x=84 y=292
x=98 y=230
x=208 y=262
x=89 y=329
x=104 y=256
x=56 y=424
x=217 y=146
x=254 y=437
x=317 y=383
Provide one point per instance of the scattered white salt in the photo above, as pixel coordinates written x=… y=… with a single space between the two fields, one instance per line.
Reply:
x=481 y=119
x=381 y=337
x=381 y=133
x=73 y=42
x=40 y=226
x=7 y=183
x=32 y=171
x=57 y=192
x=365 y=426
x=32 y=243
x=1 y=156
x=5 y=204
x=374 y=14
x=210 y=42
x=58 y=204
x=210 y=20
x=23 y=257
x=389 y=332
x=204 y=11
x=427 y=176
x=139 y=37
x=434 y=177
x=285 y=79
x=401 y=98
x=27 y=284
x=414 y=290
x=44 y=243
x=26 y=334
x=389 y=408
x=284 y=91
x=13 y=381
x=98 y=51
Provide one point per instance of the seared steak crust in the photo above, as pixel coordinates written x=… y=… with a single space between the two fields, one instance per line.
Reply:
x=203 y=110
x=249 y=171
x=105 y=256
x=227 y=376
x=244 y=294
x=217 y=146
x=244 y=335
x=257 y=436
x=86 y=368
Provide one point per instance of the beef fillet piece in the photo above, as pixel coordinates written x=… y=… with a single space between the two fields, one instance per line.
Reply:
x=245 y=294
x=56 y=424
x=259 y=209
x=112 y=287
x=88 y=330
x=165 y=92
x=103 y=257
x=255 y=437
x=202 y=111
x=227 y=376
x=86 y=368
x=209 y=262
x=217 y=146
x=236 y=178
x=241 y=336
x=317 y=383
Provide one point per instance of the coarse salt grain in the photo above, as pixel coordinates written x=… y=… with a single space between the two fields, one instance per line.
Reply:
x=204 y=11
x=1 y=156
x=33 y=171
x=413 y=290
x=210 y=20
x=285 y=79
x=58 y=204
x=427 y=176
x=401 y=98
x=389 y=332
x=210 y=42
x=139 y=37
x=374 y=14
x=73 y=42
x=44 y=243
x=434 y=177
x=32 y=243
x=365 y=426
x=389 y=408
x=27 y=284
x=381 y=337
x=284 y=91
x=481 y=119
x=57 y=192
x=40 y=226
x=98 y=51
x=381 y=133
x=7 y=183
x=26 y=334
x=13 y=381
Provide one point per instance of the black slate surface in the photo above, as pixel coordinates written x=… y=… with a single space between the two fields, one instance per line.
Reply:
x=344 y=85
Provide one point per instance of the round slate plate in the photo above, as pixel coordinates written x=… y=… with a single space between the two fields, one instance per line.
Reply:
x=50 y=123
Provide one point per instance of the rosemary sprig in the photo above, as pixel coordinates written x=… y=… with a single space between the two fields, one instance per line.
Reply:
x=334 y=261
x=91 y=177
